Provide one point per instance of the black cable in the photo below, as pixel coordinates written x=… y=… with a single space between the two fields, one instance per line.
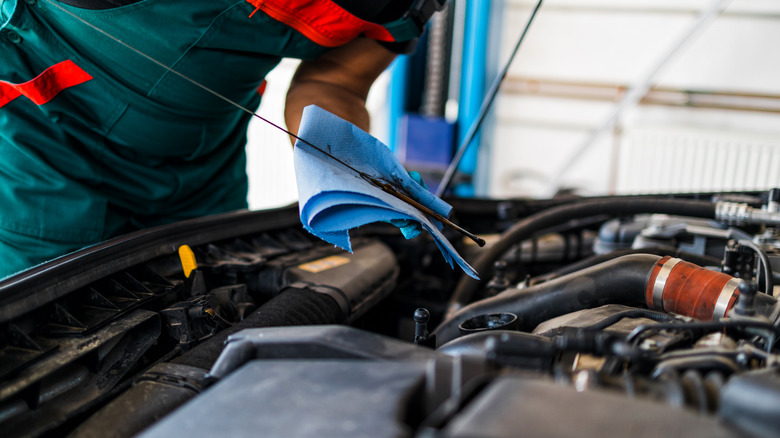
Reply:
x=631 y=313
x=706 y=326
x=221 y=321
x=766 y=264
x=486 y=104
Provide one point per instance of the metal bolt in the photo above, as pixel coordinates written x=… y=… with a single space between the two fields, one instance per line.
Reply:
x=421 y=318
x=649 y=344
x=582 y=380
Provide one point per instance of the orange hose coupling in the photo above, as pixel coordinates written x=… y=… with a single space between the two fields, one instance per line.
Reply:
x=686 y=289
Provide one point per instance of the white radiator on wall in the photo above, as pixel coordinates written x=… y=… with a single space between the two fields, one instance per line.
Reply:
x=663 y=160
x=711 y=123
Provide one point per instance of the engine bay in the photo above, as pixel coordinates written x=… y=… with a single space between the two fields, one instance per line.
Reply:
x=610 y=316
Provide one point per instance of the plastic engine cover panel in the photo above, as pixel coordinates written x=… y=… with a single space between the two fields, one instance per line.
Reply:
x=513 y=406
x=331 y=398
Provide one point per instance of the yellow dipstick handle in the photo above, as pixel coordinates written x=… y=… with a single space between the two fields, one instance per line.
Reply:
x=188 y=262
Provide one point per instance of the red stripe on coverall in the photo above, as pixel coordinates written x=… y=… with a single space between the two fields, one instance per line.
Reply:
x=47 y=85
x=321 y=21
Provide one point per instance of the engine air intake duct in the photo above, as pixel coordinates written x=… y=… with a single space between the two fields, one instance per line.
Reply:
x=665 y=284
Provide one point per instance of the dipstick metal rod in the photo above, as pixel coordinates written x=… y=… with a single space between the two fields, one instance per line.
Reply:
x=384 y=186
x=390 y=189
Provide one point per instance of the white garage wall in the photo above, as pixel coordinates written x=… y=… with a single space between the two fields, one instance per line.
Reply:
x=268 y=150
x=577 y=61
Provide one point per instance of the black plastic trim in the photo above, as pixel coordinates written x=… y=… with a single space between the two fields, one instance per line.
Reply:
x=49 y=281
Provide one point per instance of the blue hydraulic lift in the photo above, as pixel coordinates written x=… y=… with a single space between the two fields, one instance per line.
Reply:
x=429 y=136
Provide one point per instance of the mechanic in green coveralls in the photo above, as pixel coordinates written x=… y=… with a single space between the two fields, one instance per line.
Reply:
x=96 y=140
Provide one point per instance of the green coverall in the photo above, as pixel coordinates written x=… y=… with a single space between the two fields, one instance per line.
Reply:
x=135 y=146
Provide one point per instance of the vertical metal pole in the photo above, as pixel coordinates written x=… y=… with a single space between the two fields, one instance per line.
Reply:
x=397 y=99
x=437 y=63
x=472 y=89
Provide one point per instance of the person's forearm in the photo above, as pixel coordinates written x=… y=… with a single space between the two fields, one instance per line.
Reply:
x=338 y=81
x=337 y=100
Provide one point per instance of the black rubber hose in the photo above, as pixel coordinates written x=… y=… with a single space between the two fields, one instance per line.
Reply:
x=291 y=307
x=618 y=206
x=619 y=281
x=696 y=259
x=769 y=279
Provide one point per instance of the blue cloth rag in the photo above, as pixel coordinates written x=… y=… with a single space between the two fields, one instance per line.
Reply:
x=334 y=199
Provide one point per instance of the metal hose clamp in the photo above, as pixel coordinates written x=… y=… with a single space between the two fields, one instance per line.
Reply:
x=732 y=213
